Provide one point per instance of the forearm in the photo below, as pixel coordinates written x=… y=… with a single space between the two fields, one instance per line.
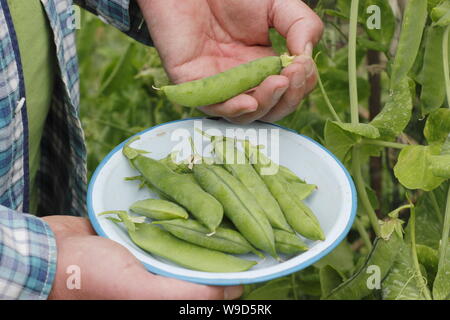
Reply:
x=27 y=256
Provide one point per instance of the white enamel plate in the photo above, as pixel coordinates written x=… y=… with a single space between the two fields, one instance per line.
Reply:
x=334 y=203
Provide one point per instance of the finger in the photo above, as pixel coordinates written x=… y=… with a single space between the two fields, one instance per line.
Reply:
x=268 y=94
x=296 y=73
x=174 y=289
x=233 y=107
x=298 y=23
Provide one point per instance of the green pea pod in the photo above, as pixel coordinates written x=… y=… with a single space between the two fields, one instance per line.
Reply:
x=178 y=167
x=432 y=74
x=441 y=14
x=225 y=85
x=159 y=209
x=289 y=175
x=302 y=190
x=237 y=164
x=414 y=20
x=161 y=243
x=288 y=243
x=224 y=240
x=382 y=256
x=179 y=187
x=297 y=214
x=239 y=205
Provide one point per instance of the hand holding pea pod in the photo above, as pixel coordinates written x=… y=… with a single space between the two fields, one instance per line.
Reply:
x=200 y=53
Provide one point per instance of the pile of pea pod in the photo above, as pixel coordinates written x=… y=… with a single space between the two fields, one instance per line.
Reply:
x=213 y=209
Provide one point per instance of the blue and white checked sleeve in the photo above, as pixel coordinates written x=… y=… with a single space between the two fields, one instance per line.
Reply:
x=125 y=15
x=27 y=256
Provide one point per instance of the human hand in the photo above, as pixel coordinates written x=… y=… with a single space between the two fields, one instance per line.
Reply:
x=109 y=271
x=199 y=38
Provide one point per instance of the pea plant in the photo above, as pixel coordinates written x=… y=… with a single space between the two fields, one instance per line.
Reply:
x=381 y=106
x=410 y=133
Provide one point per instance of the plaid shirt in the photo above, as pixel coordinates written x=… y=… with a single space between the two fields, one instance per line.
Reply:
x=27 y=245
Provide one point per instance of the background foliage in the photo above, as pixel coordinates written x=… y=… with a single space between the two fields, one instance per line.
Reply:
x=117 y=101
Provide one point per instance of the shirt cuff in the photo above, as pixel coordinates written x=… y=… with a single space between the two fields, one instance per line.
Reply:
x=27 y=256
x=124 y=15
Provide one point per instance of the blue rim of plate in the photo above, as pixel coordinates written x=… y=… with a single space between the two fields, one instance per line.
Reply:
x=220 y=281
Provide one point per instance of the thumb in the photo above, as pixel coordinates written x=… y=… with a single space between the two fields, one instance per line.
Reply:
x=298 y=23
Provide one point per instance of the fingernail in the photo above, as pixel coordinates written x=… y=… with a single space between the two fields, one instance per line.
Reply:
x=308 y=49
x=298 y=80
x=278 y=93
x=232 y=293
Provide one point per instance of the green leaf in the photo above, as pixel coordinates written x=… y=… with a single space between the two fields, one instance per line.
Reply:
x=429 y=258
x=437 y=128
x=441 y=287
x=430 y=210
x=339 y=141
x=278 y=289
x=340 y=259
x=360 y=129
x=396 y=114
x=401 y=282
x=413 y=168
x=440 y=166
x=383 y=35
x=329 y=279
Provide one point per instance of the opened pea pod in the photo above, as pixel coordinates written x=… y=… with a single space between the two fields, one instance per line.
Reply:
x=227 y=84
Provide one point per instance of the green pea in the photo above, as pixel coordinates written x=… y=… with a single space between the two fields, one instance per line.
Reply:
x=383 y=255
x=432 y=75
x=414 y=20
x=161 y=243
x=159 y=209
x=237 y=164
x=297 y=214
x=288 y=243
x=224 y=240
x=239 y=205
x=178 y=187
x=225 y=85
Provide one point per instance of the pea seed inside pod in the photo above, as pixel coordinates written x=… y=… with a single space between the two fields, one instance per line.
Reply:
x=227 y=84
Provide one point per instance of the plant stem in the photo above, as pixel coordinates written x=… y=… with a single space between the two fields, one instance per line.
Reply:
x=445 y=234
x=393 y=145
x=294 y=286
x=362 y=192
x=446 y=63
x=363 y=233
x=419 y=278
x=327 y=100
x=352 y=74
